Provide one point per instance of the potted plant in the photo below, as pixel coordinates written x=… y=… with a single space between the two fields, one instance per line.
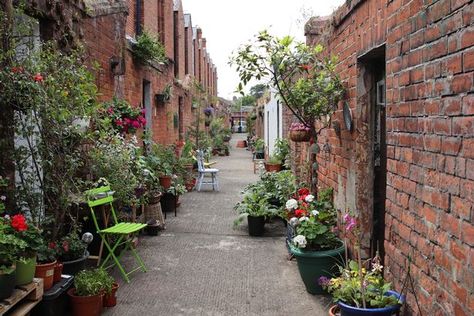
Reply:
x=109 y=287
x=256 y=209
x=72 y=253
x=282 y=152
x=315 y=245
x=273 y=164
x=305 y=81
x=361 y=289
x=31 y=235
x=123 y=117
x=149 y=49
x=46 y=261
x=87 y=294
x=10 y=248
x=164 y=159
x=259 y=147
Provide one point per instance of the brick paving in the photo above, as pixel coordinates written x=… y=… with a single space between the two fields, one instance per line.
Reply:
x=201 y=265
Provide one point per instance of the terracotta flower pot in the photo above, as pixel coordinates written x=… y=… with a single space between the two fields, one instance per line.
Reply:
x=85 y=305
x=300 y=136
x=46 y=272
x=272 y=167
x=58 y=271
x=241 y=144
x=110 y=300
x=334 y=311
x=165 y=182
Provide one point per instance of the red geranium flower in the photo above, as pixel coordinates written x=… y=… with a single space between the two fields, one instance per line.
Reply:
x=19 y=223
x=38 y=77
x=110 y=110
x=303 y=191
x=299 y=213
x=52 y=245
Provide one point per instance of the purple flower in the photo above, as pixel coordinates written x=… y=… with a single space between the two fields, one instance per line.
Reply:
x=346 y=218
x=352 y=223
x=323 y=281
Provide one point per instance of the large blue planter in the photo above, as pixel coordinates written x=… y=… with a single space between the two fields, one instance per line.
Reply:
x=347 y=310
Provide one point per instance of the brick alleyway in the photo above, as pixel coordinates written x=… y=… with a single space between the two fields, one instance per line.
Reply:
x=202 y=266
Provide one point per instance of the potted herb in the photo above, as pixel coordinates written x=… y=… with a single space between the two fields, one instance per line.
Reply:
x=256 y=209
x=273 y=164
x=361 y=289
x=164 y=159
x=87 y=294
x=10 y=248
x=109 y=287
x=282 y=151
x=315 y=244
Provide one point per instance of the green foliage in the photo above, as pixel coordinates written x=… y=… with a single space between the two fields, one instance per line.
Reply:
x=11 y=247
x=122 y=117
x=258 y=90
x=282 y=151
x=259 y=145
x=306 y=82
x=149 y=48
x=317 y=232
x=165 y=159
x=111 y=160
x=92 y=282
x=46 y=254
x=274 y=160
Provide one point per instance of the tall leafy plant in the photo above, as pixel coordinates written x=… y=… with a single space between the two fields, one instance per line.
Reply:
x=305 y=80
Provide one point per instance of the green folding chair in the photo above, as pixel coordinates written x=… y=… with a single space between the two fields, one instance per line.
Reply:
x=104 y=196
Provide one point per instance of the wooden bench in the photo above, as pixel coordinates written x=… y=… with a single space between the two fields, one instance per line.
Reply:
x=23 y=299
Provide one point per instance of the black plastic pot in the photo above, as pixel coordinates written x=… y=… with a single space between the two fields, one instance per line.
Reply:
x=55 y=300
x=152 y=230
x=74 y=266
x=7 y=284
x=168 y=203
x=256 y=225
x=259 y=155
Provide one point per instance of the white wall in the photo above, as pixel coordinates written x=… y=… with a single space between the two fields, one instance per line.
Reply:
x=273 y=122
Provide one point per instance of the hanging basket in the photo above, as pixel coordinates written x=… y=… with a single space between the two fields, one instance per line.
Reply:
x=300 y=136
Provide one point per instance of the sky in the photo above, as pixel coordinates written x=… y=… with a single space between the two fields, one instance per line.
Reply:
x=226 y=24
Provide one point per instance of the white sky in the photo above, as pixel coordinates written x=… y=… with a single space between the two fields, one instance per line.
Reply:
x=226 y=24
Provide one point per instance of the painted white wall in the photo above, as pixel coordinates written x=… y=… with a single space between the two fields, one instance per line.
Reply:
x=273 y=122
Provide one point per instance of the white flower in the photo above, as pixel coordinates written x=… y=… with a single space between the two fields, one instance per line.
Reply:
x=377 y=267
x=291 y=204
x=3 y=197
x=315 y=213
x=294 y=221
x=309 y=198
x=303 y=218
x=300 y=241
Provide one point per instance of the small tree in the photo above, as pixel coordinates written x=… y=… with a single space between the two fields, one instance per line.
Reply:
x=305 y=81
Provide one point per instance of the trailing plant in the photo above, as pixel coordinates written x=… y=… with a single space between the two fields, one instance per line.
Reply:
x=149 y=48
x=305 y=80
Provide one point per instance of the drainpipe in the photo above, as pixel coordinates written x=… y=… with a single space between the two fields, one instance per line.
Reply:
x=138 y=17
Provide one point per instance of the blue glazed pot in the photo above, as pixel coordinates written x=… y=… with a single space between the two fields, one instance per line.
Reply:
x=347 y=310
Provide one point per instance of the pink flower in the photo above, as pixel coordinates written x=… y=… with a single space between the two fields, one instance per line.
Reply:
x=143 y=111
x=110 y=110
x=346 y=218
x=118 y=122
x=135 y=124
x=352 y=223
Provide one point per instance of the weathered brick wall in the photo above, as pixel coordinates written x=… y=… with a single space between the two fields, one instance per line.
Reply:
x=429 y=49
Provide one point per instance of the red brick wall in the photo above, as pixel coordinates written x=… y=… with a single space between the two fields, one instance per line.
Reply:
x=430 y=140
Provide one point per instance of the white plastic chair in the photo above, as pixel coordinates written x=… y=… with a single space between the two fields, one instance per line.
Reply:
x=203 y=171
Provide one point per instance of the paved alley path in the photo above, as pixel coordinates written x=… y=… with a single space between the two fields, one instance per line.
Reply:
x=200 y=265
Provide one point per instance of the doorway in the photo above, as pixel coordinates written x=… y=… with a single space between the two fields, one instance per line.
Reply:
x=372 y=69
x=146 y=103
